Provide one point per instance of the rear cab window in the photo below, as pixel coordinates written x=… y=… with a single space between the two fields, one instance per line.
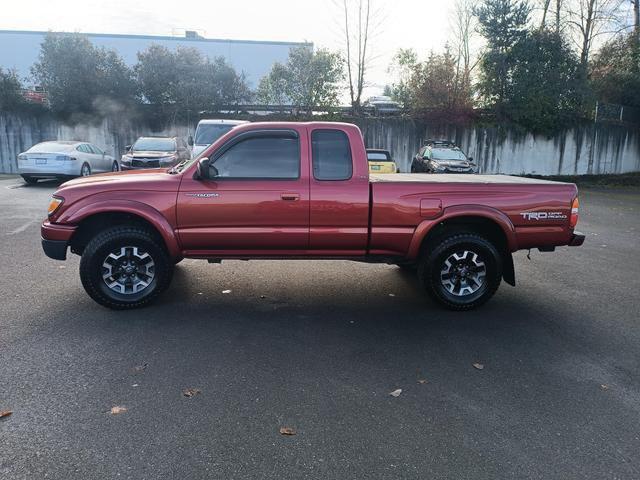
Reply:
x=331 y=155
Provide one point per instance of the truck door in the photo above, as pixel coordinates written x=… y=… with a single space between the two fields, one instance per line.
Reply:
x=339 y=213
x=257 y=202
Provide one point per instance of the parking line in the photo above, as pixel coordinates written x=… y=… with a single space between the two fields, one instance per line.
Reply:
x=22 y=228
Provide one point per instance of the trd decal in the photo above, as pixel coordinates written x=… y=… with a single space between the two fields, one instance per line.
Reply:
x=543 y=215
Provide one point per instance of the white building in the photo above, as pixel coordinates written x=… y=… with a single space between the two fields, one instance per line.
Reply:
x=19 y=50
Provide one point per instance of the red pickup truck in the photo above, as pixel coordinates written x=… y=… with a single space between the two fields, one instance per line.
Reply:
x=303 y=190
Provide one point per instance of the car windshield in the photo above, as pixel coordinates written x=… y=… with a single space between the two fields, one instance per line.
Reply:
x=207 y=133
x=377 y=157
x=451 y=154
x=154 y=145
x=50 y=147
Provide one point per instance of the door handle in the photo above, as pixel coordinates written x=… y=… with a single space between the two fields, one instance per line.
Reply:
x=290 y=196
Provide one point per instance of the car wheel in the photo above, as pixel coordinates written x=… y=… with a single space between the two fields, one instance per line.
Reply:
x=125 y=267
x=85 y=171
x=115 y=167
x=461 y=271
x=29 y=180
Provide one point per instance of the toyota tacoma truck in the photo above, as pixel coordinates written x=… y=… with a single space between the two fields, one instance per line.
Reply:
x=291 y=190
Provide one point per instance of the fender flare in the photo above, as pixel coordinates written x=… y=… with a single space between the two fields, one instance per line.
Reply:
x=76 y=215
x=456 y=211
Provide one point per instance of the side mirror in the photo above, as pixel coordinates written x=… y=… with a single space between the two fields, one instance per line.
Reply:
x=190 y=141
x=127 y=148
x=203 y=168
x=470 y=159
x=206 y=170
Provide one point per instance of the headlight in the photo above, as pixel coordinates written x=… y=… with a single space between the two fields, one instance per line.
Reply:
x=22 y=157
x=126 y=159
x=54 y=204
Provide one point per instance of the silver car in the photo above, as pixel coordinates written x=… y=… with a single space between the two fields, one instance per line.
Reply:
x=62 y=159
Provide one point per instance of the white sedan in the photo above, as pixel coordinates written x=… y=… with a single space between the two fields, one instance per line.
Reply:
x=62 y=159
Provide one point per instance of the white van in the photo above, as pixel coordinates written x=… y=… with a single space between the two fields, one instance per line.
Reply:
x=208 y=131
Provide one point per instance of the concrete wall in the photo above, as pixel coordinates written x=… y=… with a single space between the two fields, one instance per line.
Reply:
x=605 y=149
x=581 y=150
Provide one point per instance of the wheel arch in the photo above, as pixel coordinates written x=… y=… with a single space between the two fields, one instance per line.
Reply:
x=92 y=218
x=485 y=221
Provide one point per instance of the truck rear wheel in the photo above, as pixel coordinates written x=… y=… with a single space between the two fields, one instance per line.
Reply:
x=125 y=267
x=461 y=271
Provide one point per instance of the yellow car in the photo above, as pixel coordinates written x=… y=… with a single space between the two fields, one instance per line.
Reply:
x=380 y=161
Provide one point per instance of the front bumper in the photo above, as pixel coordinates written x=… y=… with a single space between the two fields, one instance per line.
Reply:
x=577 y=239
x=55 y=239
x=56 y=249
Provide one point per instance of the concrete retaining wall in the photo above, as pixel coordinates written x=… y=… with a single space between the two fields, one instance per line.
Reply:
x=599 y=150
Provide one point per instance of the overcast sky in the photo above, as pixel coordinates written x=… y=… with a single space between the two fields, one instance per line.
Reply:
x=421 y=24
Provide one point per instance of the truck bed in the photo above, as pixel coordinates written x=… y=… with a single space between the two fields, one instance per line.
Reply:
x=456 y=178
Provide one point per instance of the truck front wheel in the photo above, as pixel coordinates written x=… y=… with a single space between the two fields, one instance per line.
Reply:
x=461 y=271
x=125 y=267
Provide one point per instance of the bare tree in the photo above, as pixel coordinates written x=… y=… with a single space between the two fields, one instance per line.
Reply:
x=463 y=28
x=558 y=15
x=545 y=10
x=357 y=45
x=591 y=19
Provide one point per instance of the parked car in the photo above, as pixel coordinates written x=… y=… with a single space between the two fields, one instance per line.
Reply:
x=64 y=159
x=442 y=156
x=381 y=105
x=155 y=152
x=209 y=130
x=263 y=194
x=380 y=161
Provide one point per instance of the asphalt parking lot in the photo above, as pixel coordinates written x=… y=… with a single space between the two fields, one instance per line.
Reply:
x=318 y=347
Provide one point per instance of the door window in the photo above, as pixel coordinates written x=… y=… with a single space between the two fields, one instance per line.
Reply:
x=331 y=155
x=270 y=156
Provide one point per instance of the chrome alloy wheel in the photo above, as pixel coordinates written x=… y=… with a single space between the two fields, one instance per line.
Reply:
x=463 y=273
x=85 y=171
x=128 y=270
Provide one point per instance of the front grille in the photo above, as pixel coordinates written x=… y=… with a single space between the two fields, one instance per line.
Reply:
x=145 y=163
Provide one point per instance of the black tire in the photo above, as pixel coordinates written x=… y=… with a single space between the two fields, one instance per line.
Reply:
x=85 y=170
x=29 y=180
x=448 y=248
x=96 y=254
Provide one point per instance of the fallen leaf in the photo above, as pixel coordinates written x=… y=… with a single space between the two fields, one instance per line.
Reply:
x=118 y=410
x=263 y=296
x=478 y=366
x=287 y=431
x=226 y=291
x=422 y=381
x=604 y=387
x=134 y=385
x=191 y=392
x=200 y=293
x=392 y=294
x=141 y=368
x=5 y=413
x=396 y=393
x=62 y=267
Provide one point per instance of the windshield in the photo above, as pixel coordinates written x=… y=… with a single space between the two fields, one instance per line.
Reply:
x=207 y=133
x=451 y=154
x=377 y=156
x=50 y=147
x=154 y=145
